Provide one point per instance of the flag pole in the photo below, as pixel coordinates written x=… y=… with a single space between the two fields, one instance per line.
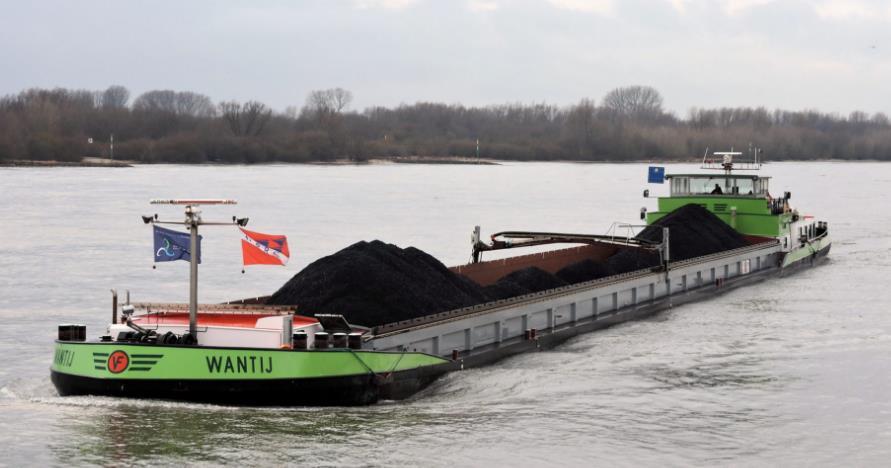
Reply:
x=193 y=220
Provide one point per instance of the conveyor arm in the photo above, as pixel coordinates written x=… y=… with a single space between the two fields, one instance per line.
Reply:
x=516 y=239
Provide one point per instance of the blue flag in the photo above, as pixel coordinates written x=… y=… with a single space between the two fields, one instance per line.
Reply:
x=656 y=175
x=173 y=245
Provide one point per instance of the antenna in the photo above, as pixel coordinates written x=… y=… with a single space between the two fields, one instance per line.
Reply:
x=192 y=201
x=728 y=161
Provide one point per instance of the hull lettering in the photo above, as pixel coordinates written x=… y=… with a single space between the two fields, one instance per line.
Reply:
x=239 y=364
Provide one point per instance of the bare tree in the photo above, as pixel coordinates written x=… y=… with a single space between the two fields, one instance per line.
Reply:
x=114 y=97
x=340 y=99
x=194 y=104
x=628 y=125
x=634 y=102
x=858 y=117
x=156 y=101
x=579 y=127
x=231 y=112
x=323 y=104
x=248 y=119
x=179 y=103
x=317 y=105
x=879 y=119
x=255 y=115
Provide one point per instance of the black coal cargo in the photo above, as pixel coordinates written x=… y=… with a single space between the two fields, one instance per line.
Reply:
x=373 y=283
x=693 y=232
x=525 y=281
x=586 y=270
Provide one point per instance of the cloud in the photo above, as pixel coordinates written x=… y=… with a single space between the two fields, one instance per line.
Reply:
x=851 y=10
x=825 y=54
x=735 y=7
x=729 y=7
x=680 y=5
x=482 y=6
x=602 y=7
x=384 y=4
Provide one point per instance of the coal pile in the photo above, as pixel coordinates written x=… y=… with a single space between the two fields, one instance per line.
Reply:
x=627 y=260
x=372 y=283
x=525 y=281
x=586 y=270
x=694 y=232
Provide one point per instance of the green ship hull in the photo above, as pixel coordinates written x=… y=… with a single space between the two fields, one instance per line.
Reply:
x=241 y=375
x=809 y=253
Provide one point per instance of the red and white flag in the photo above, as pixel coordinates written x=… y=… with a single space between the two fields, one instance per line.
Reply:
x=264 y=249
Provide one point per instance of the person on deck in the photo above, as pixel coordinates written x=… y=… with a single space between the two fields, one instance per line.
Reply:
x=717 y=190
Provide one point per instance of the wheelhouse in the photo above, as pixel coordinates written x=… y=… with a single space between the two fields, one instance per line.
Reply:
x=742 y=201
x=697 y=185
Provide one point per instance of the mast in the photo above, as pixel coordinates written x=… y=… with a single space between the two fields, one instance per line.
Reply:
x=192 y=221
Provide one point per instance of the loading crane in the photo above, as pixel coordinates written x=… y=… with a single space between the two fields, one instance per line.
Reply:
x=517 y=239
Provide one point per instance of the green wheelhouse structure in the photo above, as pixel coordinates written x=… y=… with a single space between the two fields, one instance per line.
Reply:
x=744 y=202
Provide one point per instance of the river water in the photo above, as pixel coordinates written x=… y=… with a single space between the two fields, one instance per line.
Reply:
x=793 y=371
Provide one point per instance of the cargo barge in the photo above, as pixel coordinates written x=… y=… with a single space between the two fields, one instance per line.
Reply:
x=249 y=352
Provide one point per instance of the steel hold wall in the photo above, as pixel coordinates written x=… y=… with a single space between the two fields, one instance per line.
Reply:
x=564 y=308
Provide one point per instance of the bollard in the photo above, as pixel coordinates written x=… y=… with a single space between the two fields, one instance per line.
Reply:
x=355 y=340
x=300 y=339
x=340 y=340
x=320 y=340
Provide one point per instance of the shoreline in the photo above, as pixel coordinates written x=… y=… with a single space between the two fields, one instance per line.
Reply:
x=87 y=162
x=437 y=160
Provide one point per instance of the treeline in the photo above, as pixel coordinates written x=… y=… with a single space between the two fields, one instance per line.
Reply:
x=627 y=124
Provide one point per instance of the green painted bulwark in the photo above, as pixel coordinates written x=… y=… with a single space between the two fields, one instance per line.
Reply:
x=123 y=361
x=753 y=215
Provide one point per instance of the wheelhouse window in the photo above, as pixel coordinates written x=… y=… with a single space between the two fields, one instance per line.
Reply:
x=761 y=186
x=718 y=185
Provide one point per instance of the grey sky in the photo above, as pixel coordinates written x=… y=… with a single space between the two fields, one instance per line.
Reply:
x=829 y=55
